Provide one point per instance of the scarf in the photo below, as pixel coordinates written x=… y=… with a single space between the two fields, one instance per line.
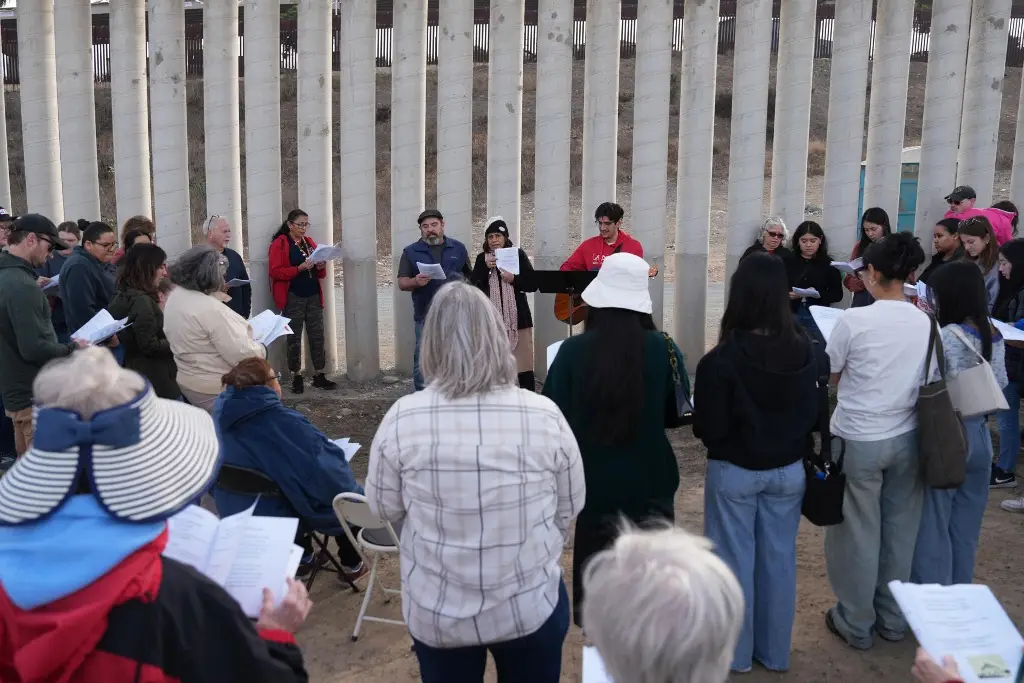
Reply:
x=503 y=296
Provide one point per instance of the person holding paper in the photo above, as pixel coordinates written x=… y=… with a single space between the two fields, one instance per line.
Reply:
x=259 y=432
x=1009 y=308
x=809 y=267
x=661 y=606
x=874 y=225
x=146 y=349
x=615 y=385
x=27 y=339
x=982 y=249
x=506 y=292
x=206 y=337
x=758 y=412
x=87 y=280
x=218 y=236
x=433 y=247
x=877 y=356
x=771 y=238
x=947 y=539
x=480 y=561
x=111 y=463
x=295 y=283
x=71 y=233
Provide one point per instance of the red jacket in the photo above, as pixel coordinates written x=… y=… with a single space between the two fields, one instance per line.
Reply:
x=282 y=272
x=592 y=251
x=147 y=620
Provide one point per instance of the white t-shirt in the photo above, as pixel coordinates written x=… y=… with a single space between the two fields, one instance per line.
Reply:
x=880 y=352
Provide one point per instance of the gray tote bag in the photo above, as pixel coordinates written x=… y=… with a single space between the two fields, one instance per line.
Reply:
x=975 y=391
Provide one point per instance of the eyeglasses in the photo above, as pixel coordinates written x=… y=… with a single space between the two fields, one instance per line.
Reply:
x=301 y=225
x=51 y=246
x=776 y=235
x=953 y=202
x=211 y=222
x=109 y=246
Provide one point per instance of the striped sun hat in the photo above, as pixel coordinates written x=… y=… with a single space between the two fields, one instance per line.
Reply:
x=145 y=460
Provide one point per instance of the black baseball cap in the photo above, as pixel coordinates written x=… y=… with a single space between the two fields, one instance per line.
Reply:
x=40 y=225
x=429 y=213
x=960 y=193
x=6 y=215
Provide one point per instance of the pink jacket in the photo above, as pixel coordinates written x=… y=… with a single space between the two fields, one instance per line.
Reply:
x=1000 y=220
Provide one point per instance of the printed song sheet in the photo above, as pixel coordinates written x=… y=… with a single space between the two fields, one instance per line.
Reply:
x=325 y=252
x=809 y=293
x=268 y=326
x=100 y=328
x=507 y=259
x=849 y=267
x=825 y=318
x=433 y=270
x=965 y=622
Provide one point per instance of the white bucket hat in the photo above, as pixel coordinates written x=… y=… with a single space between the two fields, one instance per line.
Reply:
x=145 y=460
x=621 y=283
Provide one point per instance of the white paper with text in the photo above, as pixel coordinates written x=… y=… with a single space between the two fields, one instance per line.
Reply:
x=507 y=259
x=102 y=326
x=825 y=318
x=268 y=327
x=326 y=252
x=432 y=270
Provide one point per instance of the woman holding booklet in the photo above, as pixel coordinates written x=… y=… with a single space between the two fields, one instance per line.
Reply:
x=947 y=539
x=122 y=611
x=877 y=356
x=295 y=283
x=259 y=432
x=810 y=268
x=874 y=225
x=206 y=337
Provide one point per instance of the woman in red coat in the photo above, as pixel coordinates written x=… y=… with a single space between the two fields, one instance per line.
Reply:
x=295 y=285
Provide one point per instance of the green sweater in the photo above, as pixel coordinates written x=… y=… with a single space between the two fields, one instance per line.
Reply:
x=27 y=339
x=632 y=478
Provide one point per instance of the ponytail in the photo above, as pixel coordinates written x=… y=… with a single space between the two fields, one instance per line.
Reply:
x=284 y=229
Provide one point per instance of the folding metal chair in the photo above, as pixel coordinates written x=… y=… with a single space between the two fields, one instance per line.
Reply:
x=376 y=537
x=249 y=482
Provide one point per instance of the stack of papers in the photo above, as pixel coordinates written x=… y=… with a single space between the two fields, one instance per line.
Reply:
x=1009 y=332
x=237 y=282
x=825 y=318
x=101 y=327
x=325 y=252
x=507 y=259
x=242 y=553
x=593 y=667
x=54 y=281
x=434 y=270
x=350 y=448
x=268 y=326
x=920 y=290
x=965 y=622
x=850 y=267
x=810 y=292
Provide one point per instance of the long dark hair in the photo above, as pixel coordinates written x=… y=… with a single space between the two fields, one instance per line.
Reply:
x=895 y=257
x=878 y=216
x=811 y=228
x=137 y=268
x=759 y=298
x=1012 y=251
x=284 y=229
x=614 y=387
x=958 y=295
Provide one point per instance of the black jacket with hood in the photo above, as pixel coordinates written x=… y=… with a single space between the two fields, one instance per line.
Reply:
x=756 y=401
x=27 y=339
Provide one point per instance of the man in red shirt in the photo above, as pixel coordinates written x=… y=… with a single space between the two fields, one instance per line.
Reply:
x=611 y=240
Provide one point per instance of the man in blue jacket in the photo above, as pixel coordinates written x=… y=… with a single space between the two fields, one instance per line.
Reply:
x=87 y=280
x=432 y=248
x=218 y=236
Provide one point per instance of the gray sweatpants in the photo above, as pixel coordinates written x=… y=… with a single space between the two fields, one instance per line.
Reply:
x=875 y=543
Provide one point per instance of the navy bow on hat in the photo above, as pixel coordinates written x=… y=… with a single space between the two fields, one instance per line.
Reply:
x=61 y=430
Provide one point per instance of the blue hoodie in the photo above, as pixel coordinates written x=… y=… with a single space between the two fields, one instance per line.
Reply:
x=259 y=432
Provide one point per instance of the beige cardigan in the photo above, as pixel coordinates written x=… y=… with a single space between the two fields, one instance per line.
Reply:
x=207 y=339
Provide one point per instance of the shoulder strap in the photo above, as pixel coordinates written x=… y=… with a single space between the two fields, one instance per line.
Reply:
x=934 y=343
x=962 y=337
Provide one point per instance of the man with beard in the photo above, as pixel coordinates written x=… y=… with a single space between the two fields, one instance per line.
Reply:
x=432 y=248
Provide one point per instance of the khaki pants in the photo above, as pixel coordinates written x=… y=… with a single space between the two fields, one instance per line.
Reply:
x=22 y=428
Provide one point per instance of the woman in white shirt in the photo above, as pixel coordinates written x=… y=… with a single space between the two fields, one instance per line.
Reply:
x=486 y=479
x=877 y=355
x=207 y=338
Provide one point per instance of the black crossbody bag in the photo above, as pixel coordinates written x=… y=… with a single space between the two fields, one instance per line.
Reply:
x=826 y=482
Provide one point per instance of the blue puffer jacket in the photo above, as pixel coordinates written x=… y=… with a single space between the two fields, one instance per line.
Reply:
x=259 y=432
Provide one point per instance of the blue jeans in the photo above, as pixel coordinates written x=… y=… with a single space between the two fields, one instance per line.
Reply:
x=875 y=543
x=1008 y=422
x=752 y=518
x=947 y=540
x=536 y=658
x=417 y=376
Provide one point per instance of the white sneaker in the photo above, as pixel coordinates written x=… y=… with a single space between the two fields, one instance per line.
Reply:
x=1013 y=505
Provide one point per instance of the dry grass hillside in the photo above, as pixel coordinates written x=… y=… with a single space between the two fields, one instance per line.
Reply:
x=289 y=105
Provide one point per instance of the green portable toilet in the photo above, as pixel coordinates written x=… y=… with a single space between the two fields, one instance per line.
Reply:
x=908 y=191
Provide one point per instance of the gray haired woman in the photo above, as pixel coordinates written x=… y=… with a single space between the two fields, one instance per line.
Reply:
x=771 y=238
x=207 y=338
x=486 y=479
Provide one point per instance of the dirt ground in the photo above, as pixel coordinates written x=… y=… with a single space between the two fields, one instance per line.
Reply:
x=383 y=655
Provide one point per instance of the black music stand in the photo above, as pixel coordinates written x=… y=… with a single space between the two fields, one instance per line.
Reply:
x=571 y=282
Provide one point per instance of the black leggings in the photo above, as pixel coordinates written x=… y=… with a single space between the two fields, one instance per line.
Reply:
x=347 y=555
